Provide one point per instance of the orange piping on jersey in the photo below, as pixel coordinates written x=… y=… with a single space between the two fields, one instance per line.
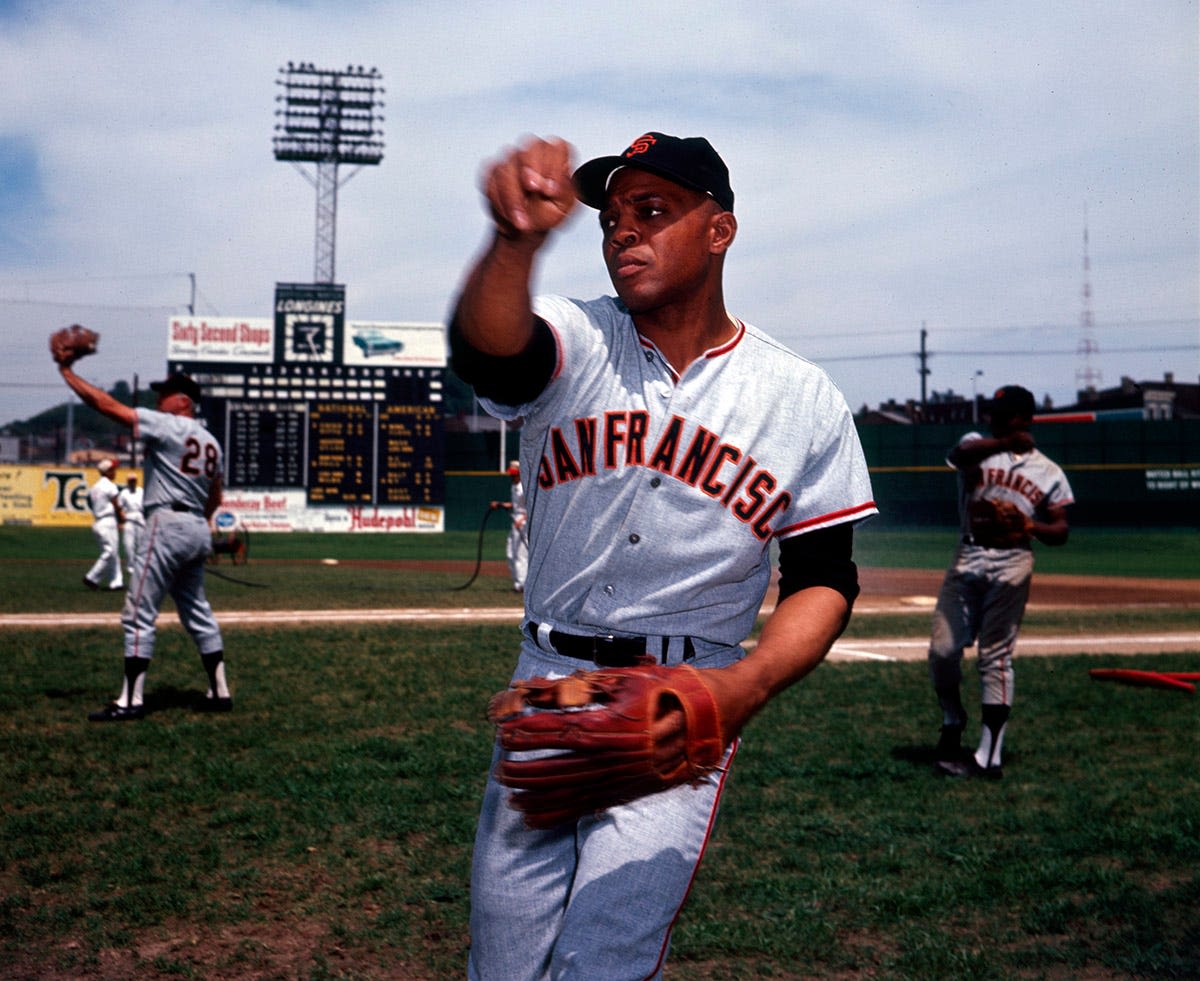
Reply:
x=825 y=519
x=558 y=348
x=730 y=344
x=135 y=588
x=715 y=352
x=712 y=818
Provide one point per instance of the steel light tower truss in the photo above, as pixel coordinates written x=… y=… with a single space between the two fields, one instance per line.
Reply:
x=328 y=118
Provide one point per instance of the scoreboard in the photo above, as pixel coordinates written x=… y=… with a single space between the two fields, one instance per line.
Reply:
x=349 y=413
x=369 y=436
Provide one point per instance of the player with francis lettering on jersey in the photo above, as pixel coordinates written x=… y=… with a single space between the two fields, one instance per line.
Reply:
x=667 y=444
x=183 y=466
x=1009 y=493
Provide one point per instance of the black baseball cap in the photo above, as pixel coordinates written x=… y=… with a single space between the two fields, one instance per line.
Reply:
x=690 y=161
x=1013 y=400
x=178 y=382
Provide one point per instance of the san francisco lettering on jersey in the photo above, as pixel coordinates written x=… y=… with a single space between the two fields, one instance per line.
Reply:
x=1014 y=480
x=689 y=453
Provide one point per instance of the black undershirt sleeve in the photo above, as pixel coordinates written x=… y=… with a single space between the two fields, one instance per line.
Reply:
x=819 y=558
x=511 y=380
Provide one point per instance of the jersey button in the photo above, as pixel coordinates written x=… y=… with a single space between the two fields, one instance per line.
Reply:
x=655 y=481
x=634 y=538
x=609 y=590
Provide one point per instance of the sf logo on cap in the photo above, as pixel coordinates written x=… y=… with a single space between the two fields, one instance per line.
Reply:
x=640 y=145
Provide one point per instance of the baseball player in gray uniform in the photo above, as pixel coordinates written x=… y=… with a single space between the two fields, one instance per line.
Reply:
x=103 y=495
x=666 y=445
x=133 y=521
x=183 y=466
x=984 y=592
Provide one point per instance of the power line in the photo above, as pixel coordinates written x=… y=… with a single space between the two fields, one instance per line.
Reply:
x=1161 y=322
x=995 y=354
x=1108 y=350
x=211 y=306
x=116 y=277
x=43 y=281
x=157 y=307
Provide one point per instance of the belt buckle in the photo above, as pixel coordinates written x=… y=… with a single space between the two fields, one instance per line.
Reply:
x=597 y=640
x=604 y=653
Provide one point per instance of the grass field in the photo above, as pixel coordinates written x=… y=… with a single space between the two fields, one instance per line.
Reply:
x=1170 y=553
x=323 y=829
x=40 y=569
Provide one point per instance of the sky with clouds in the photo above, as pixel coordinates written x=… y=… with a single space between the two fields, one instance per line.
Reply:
x=897 y=164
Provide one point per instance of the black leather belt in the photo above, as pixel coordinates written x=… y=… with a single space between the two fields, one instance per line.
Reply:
x=606 y=650
x=177 y=506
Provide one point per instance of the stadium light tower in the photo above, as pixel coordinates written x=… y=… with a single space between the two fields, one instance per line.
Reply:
x=328 y=118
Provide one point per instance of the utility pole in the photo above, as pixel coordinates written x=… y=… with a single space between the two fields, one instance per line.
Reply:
x=133 y=454
x=1086 y=375
x=923 y=371
x=70 y=440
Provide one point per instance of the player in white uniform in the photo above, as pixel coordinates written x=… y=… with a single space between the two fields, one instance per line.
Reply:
x=183 y=468
x=105 y=572
x=985 y=590
x=665 y=446
x=133 y=521
x=516 y=546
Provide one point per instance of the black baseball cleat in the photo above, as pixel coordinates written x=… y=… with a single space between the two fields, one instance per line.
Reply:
x=969 y=768
x=214 y=704
x=112 y=712
x=949 y=745
x=93 y=586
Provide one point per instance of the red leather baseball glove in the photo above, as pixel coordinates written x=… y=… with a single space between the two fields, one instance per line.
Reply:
x=999 y=524
x=592 y=733
x=70 y=344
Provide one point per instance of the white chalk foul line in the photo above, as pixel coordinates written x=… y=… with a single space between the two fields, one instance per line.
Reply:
x=267 y=617
x=873 y=649
x=840 y=650
x=908 y=649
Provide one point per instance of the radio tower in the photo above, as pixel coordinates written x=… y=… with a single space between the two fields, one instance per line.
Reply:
x=1086 y=376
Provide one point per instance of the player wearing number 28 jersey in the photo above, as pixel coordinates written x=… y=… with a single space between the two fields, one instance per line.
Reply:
x=183 y=463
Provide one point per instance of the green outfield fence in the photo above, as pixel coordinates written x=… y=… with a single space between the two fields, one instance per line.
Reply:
x=1123 y=472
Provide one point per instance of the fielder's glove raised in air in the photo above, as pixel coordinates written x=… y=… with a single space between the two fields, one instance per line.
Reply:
x=598 y=727
x=72 y=343
x=999 y=524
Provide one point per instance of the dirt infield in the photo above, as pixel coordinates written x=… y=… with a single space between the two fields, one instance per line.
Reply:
x=883 y=591
x=881 y=587
x=897 y=590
